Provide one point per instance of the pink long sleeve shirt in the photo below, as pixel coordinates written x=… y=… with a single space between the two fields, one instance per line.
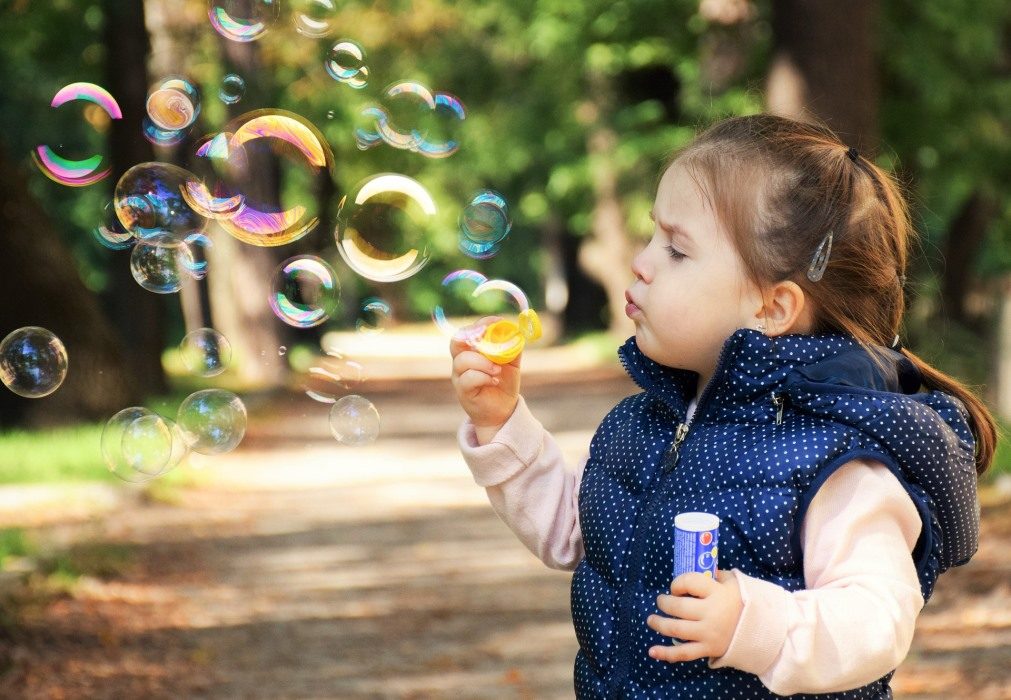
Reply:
x=857 y=537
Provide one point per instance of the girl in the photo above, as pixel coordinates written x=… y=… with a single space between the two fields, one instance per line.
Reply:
x=775 y=395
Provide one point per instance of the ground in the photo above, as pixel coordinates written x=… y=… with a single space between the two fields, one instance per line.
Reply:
x=298 y=568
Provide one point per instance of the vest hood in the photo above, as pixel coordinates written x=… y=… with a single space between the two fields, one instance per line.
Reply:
x=925 y=436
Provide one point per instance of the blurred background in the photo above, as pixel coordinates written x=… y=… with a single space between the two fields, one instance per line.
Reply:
x=297 y=566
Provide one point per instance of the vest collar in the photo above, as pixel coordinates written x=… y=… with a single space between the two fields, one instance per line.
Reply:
x=752 y=366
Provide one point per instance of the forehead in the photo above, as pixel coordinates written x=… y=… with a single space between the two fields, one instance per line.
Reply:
x=681 y=201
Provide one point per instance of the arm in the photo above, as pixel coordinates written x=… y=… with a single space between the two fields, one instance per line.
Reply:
x=529 y=486
x=855 y=622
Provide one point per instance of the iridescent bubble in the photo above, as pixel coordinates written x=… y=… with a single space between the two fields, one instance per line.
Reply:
x=233 y=89
x=213 y=421
x=306 y=291
x=374 y=317
x=314 y=18
x=333 y=376
x=33 y=362
x=354 y=420
x=196 y=262
x=110 y=232
x=384 y=227
x=484 y=224
x=346 y=64
x=438 y=141
x=173 y=104
x=243 y=20
x=77 y=173
x=149 y=201
x=468 y=295
x=159 y=262
x=205 y=352
x=139 y=445
x=162 y=138
x=258 y=140
x=458 y=287
x=413 y=118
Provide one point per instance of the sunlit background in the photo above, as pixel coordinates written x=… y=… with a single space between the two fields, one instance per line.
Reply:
x=236 y=235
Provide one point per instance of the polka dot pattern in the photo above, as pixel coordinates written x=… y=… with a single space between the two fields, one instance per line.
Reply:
x=758 y=474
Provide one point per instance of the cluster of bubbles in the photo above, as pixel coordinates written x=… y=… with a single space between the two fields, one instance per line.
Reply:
x=383 y=232
x=412 y=118
x=139 y=445
x=33 y=362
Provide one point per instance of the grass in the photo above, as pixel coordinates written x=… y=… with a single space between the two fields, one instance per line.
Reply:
x=52 y=455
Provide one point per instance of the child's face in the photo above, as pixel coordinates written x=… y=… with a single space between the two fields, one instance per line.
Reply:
x=684 y=308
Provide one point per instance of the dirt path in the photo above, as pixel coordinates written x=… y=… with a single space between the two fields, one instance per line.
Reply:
x=305 y=570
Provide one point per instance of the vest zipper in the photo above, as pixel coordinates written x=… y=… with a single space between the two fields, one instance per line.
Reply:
x=778 y=402
x=674 y=452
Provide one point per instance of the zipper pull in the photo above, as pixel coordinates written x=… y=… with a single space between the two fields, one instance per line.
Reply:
x=679 y=437
x=778 y=402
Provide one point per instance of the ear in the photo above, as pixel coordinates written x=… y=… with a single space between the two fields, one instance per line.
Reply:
x=785 y=309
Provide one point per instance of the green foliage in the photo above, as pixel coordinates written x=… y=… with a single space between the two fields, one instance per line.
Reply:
x=61 y=454
x=13 y=543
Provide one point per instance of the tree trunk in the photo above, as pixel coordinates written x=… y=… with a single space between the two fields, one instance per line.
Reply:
x=138 y=315
x=824 y=66
x=962 y=245
x=42 y=287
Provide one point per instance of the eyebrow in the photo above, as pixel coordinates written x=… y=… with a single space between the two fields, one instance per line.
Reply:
x=673 y=229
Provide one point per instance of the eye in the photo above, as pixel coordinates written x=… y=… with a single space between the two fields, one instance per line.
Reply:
x=674 y=253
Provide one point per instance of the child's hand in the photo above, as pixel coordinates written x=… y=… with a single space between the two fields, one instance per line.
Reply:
x=487 y=392
x=707 y=620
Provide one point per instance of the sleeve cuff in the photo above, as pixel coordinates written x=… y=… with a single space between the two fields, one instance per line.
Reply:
x=515 y=446
x=762 y=628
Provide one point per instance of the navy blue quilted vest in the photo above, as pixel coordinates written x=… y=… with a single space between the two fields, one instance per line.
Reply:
x=778 y=417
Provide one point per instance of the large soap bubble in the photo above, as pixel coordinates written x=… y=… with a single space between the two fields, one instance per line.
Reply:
x=213 y=421
x=205 y=352
x=384 y=227
x=77 y=173
x=305 y=291
x=243 y=20
x=158 y=263
x=33 y=362
x=484 y=225
x=354 y=420
x=314 y=18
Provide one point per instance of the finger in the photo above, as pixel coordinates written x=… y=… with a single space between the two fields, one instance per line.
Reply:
x=687 y=630
x=463 y=338
x=695 y=584
x=722 y=575
x=474 y=360
x=679 y=652
x=685 y=607
x=472 y=380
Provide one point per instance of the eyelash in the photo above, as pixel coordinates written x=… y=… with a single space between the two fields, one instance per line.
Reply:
x=674 y=253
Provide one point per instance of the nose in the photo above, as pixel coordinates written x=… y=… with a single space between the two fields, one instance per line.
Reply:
x=639 y=266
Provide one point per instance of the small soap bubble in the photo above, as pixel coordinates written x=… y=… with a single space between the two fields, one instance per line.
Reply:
x=33 y=362
x=314 y=18
x=110 y=232
x=384 y=227
x=306 y=291
x=149 y=201
x=212 y=421
x=346 y=64
x=173 y=104
x=162 y=138
x=139 y=445
x=233 y=89
x=333 y=376
x=484 y=225
x=374 y=317
x=354 y=420
x=243 y=20
x=205 y=352
x=282 y=351
x=158 y=263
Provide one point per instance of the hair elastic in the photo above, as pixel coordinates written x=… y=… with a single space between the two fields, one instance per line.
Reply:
x=853 y=154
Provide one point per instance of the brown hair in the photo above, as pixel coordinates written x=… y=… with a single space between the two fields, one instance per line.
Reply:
x=802 y=181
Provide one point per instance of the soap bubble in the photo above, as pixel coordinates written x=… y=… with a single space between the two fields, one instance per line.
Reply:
x=173 y=104
x=139 y=445
x=354 y=420
x=484 y=224
x=33 y=362
x=384 y=227
x=149 y=201
x=333 y=375
x=413 y=118
x=77 y=173
x=158 y=136
x=110 y=232
x=314 y=18
x=467 y=294
x=306 y=291
x=243 y=20
x=205 y=352
x=158 y=263
x=259 y=140
x=233 y=89
x=374 y=316
x=213 y=421
x=346 y=64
